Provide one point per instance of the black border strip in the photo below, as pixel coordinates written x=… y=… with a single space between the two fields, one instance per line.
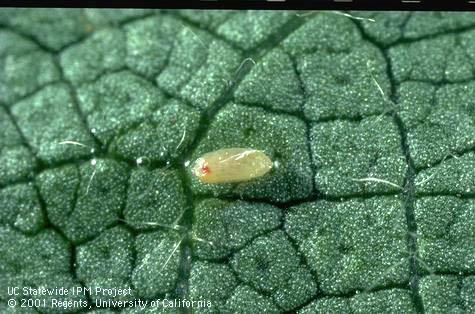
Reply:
x=401 y=5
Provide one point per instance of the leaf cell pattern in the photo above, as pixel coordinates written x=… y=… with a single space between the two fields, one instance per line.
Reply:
x=370 y=123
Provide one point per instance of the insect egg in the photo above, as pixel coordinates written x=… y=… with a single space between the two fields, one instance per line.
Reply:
x=230 y=165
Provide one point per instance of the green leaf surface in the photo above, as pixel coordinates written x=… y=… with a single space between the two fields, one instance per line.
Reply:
x=369 y=121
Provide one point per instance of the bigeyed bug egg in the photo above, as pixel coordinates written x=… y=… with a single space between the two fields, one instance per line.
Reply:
x=231 y=165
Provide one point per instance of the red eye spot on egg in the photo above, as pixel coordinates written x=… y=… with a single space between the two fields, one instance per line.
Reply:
x=205 y=169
